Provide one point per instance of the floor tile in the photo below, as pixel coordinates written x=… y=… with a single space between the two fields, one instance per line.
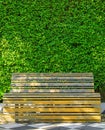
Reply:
x=93 y=128
x=53 y=126
x=42 y=125
x=76 y=126
x=99 y=125
x=11 y=125
x=24 y=128
x=58 y=128
x=75 y=129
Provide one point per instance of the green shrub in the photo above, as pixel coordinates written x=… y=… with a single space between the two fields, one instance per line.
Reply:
x=51 y=36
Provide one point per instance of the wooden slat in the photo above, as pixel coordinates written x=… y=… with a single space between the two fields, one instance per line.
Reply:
x=53 y=90
x=76 y=109
x=54 y=74
x=61 y=120
x=51 y=87
x=12 y=118
x=41 y=95
x=51 y=99
x=53 y=114
x=53 y=84
x=53 y=105
x=52 y=79
x=60 y=117
x=27 y=101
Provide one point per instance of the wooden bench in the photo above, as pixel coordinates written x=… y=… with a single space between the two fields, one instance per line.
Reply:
x=52 y=97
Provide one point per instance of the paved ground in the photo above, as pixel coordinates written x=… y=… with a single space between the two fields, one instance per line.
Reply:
x=55 y=126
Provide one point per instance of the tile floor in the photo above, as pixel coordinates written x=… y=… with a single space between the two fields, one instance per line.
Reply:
x=54 y=126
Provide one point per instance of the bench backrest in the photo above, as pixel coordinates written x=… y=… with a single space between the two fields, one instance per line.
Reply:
x=52 y=82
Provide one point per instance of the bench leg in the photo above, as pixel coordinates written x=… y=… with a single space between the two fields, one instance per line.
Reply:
x=16 y=113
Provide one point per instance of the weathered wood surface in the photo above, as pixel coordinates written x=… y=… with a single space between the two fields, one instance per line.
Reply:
x=53 y=105
x=51 y=99
x=63 y=118
x=50 y=109
x=53 y=84
x=6 y=118
x=54 y=74
x=59 y=90
x=59 y=82
x=56 y=114
x=45 y=95
x=66 y=97
x=55 y=101
x=52 y=79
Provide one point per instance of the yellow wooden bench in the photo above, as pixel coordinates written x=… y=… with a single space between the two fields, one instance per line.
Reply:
x=52 y=97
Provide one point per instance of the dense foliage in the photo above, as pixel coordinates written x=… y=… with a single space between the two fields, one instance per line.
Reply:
x=52 y=36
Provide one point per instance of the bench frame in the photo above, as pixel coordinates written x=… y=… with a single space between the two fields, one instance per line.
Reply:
x=52 y=97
